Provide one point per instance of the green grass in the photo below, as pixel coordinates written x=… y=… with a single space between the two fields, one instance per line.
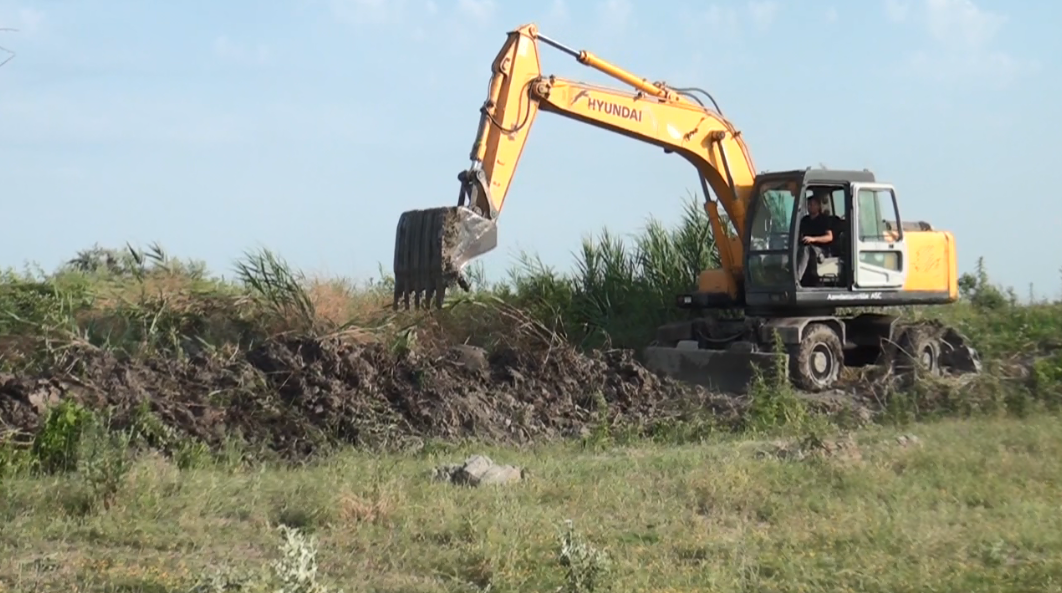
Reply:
x=85 y=508
x=973 y=506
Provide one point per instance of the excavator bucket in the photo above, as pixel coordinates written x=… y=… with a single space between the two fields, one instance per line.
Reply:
x=432 y=247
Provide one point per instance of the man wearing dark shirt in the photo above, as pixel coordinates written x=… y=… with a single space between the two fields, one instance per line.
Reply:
x=816 y=236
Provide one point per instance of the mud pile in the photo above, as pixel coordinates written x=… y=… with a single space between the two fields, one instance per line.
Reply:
x=297 y=395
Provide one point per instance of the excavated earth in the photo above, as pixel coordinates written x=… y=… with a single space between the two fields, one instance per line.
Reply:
x=295 y=396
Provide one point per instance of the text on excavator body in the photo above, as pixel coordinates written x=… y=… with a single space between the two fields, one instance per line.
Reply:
x=615 y=109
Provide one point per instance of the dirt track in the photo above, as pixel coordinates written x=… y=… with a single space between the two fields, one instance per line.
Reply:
x=296 y=395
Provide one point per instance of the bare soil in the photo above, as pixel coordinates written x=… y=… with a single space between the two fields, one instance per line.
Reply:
x=295 y=396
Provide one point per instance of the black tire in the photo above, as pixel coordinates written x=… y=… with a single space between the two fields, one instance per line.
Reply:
x=919 y=350
x=816 y=363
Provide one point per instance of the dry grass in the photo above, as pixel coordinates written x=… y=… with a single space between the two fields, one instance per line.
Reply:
x=974 y=508
x=342 y=303
x=971 y=507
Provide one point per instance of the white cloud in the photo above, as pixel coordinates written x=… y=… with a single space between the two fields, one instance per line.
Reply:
x=996 y=69
x=116 y=117
x=729 y=20
x=417 y=20
x=962 y=22
x=479 y=10
x=26 y=21
x=614 y=14
x=962 y=44
x=763 y=12
x=558 y=12
x=232 y=51
x=897 y=10
x=368 y=12
x=718 y=16
x=831 y=15
x=949 y=22
x=53 y=117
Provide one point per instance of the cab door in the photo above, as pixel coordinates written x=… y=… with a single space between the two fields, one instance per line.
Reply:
x=879 y=253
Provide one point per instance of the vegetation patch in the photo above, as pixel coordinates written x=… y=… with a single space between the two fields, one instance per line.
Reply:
x=292 y=366
x=272 y=431
x=970 y=505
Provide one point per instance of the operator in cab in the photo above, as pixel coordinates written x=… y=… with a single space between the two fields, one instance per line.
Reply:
x=816 y=236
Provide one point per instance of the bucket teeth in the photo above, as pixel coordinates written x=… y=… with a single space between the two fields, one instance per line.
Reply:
x=432 y=247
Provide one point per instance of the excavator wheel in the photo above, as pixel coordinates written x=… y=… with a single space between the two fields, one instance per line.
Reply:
x=816 y=362
x=919 y=350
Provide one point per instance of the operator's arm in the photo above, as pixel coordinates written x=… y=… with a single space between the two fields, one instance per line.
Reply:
x=823 y=232
x=821 y=239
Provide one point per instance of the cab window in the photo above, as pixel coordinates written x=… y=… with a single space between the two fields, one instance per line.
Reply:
x=834 y=203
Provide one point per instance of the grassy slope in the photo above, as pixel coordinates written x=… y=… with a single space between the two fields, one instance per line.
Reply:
x=972 y=507
x=970 y=510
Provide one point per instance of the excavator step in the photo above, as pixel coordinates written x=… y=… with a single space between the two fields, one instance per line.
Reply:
x=729 y=371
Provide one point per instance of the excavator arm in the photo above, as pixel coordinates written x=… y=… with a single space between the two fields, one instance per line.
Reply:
x=433 y=245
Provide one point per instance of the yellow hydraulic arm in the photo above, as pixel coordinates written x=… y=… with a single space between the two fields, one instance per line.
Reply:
x=432 y=245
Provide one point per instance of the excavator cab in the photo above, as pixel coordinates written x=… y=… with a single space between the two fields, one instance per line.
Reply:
x=874 y=260
x=866 y=262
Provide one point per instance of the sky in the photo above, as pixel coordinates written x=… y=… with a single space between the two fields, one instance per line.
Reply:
x=308 y=126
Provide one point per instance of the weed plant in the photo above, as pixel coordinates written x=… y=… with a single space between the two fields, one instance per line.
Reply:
x=146 y=304
x=758 y=525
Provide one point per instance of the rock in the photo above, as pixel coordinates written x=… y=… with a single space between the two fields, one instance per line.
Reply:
x=444 y=473
x=43 y=399
x=863 y=415
x=478 y=470
x=499 y=474
x=842 y=448
x=782 y=450
x=577 y=432
x=908 y=440
x=471 y=357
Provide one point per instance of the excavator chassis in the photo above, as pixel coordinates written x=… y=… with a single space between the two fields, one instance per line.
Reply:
x=726 y=355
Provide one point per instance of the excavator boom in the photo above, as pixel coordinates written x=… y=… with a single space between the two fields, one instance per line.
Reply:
x=433 y=245
x=875 y=261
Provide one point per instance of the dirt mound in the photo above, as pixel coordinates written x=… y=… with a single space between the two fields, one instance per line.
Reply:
x=296 y=395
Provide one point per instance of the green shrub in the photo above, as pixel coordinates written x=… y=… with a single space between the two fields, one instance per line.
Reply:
x=618 y=293
x=136 y=303
x=56 y=446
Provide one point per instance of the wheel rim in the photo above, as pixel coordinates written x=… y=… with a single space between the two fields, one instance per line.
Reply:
x=822 y=363
x=928 y=358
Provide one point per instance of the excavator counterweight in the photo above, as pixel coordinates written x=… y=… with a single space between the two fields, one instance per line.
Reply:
x=788 y=281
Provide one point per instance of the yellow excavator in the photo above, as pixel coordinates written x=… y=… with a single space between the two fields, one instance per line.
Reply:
x=874 y=260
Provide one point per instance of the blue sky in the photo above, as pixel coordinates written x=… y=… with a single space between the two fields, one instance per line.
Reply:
x=307 y=126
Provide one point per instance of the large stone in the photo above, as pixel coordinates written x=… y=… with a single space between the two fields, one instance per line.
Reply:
x=479 y=470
